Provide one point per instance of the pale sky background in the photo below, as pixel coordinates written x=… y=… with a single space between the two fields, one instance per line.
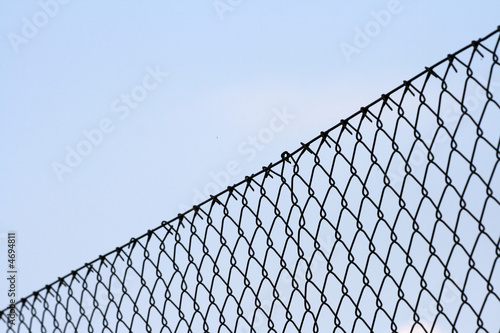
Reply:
x=228 y=76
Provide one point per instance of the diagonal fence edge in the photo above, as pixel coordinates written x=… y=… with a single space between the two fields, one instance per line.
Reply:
x=179 y=225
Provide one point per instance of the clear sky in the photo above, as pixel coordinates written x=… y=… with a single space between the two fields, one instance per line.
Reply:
x=165 y=97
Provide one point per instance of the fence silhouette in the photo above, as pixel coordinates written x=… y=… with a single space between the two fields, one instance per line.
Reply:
x=389 y=221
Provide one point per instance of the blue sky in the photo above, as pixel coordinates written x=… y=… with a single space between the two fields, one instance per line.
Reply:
x=222 y=78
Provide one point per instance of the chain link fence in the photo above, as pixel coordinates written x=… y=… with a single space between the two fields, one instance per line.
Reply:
x=387 y=222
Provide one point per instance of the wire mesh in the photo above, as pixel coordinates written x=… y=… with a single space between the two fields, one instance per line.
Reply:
x=388 y=221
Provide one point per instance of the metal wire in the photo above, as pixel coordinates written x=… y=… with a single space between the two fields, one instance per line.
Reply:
x=388 y=221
